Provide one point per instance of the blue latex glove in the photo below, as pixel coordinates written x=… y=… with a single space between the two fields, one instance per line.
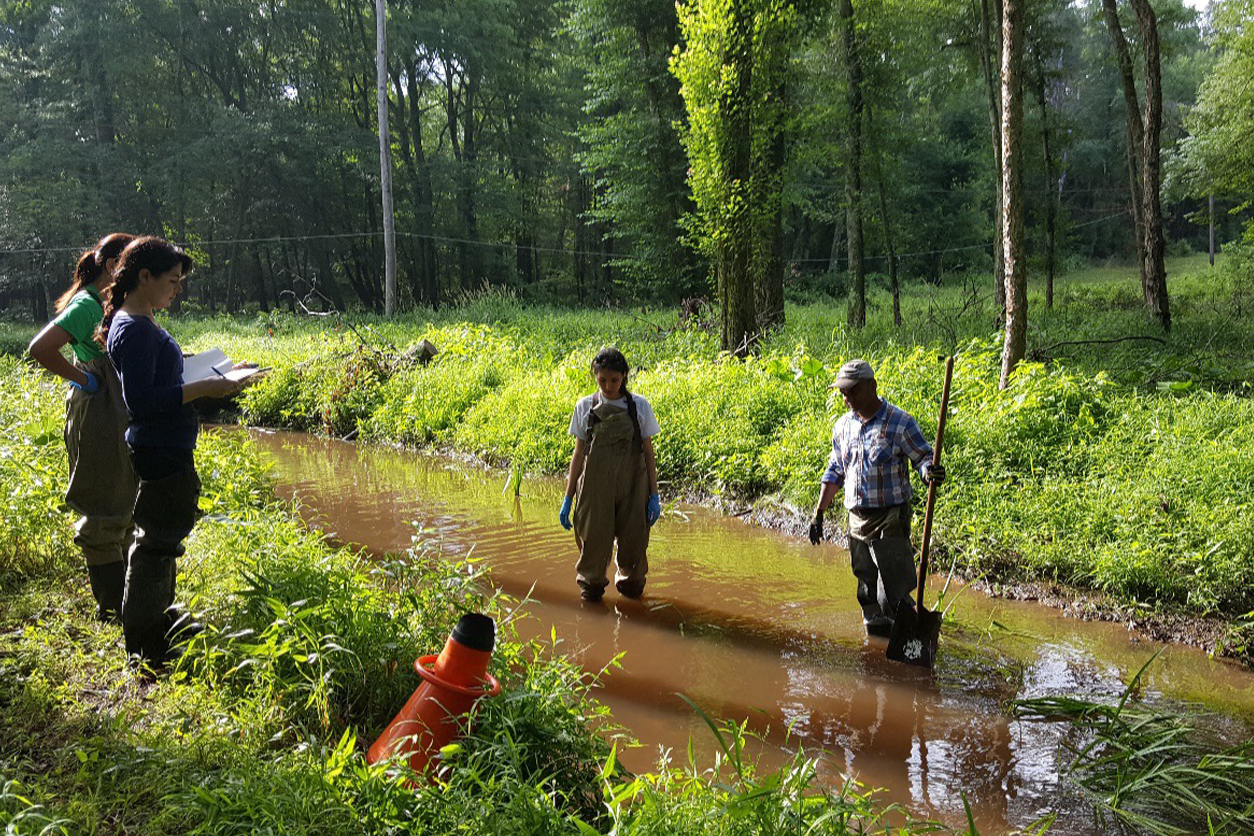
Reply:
x=564 y=515
x=654 y=510
x=91 y=387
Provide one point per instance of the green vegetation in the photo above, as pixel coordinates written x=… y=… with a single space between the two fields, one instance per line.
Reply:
x=262 y=724
x=1159 y=772
x=1106 y=465
x=536 y=144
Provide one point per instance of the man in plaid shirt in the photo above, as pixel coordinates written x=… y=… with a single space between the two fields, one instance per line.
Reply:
x=874 y=446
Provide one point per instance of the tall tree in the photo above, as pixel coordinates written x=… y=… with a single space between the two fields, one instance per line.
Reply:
x=385 y=160
x=851 y=57
x=730 y=77
x=631 y=149
x=1144 y=150
x=1015 y=343
x=990 y=29
x=1217 y=158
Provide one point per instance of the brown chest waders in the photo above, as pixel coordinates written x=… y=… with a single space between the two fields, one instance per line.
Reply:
x=611 y=501
x=102 y=483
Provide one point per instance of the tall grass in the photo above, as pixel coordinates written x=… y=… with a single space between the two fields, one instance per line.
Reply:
x=1153 y=770
x=34 y=538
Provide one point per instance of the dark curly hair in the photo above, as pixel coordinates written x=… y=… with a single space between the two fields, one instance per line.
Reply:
x=157 y=256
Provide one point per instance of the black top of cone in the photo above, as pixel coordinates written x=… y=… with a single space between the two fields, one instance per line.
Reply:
x=478 y=632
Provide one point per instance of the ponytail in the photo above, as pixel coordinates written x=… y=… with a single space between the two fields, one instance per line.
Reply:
x=157 y=256
x=91 y=264
x=637 y=437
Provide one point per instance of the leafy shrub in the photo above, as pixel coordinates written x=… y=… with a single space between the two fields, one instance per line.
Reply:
x=35 y=528
x=423 y=405
x=525 y=421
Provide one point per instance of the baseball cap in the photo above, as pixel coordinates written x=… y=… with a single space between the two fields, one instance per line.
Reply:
x=853 y=372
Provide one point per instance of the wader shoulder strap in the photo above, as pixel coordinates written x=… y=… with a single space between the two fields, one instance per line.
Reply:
x=593 y=418
x=635 y=420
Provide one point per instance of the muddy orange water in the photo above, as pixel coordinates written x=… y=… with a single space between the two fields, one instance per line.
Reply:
x=756 y=627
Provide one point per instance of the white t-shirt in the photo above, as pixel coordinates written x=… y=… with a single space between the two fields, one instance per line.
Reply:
x=644 y=414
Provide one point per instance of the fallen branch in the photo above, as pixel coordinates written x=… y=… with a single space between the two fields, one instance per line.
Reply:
x=1037 y=353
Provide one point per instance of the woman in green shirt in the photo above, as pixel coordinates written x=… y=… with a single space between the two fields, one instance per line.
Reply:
x=102 y=481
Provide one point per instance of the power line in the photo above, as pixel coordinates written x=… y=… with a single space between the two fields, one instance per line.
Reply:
x=986 y=245
x=279 y=239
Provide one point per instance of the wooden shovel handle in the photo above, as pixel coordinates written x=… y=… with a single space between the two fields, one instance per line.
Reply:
x=931 y=487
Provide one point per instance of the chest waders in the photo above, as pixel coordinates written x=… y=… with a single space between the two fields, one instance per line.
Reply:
x=165 y=511
x=611 y=501
x=102 y=483
x=882 y=559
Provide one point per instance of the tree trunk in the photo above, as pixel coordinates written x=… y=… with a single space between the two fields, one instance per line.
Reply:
x=39 y=300
x=1050 y=189
x=423 y=197
x=1123 y=59
x=1012 y=189
x=853 y=162
x=259 y=282
x=1155 y=274
x=1144 y=154
x=833 y=253
x=472 y=269
x=769 y=277
x=734 y=252
x=886 y=222
x=1210 y=204
x=989 y=60
x=385 y=161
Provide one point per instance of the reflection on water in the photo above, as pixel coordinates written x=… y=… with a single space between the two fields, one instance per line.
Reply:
x=757 y=628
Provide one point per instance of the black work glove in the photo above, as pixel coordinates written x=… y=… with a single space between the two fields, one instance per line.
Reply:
x=934 y=474
x=816 y=529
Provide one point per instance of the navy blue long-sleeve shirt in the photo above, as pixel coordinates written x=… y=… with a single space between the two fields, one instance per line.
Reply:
x=150 y=365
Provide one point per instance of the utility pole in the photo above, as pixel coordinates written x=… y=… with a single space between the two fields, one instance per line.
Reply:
x=385 y=160
x=1212 y=230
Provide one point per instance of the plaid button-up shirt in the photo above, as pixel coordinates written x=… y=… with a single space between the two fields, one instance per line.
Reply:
x=872 y=458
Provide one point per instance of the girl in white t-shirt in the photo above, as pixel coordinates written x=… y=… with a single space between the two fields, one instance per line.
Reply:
x=612 y=481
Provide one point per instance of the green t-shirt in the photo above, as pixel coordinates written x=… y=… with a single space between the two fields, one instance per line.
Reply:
x=79 y=319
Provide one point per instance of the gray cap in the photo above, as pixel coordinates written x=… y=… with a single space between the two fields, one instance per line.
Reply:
x=853 y=372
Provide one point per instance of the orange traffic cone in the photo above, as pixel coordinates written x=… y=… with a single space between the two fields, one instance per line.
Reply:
x=429 y=720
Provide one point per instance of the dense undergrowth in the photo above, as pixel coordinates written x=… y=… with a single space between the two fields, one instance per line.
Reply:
x=262 y=724
x=1112 y=462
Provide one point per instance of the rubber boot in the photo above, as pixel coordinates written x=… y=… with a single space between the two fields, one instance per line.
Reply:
x=149 y=593
x=629 y=588
x=108 y=580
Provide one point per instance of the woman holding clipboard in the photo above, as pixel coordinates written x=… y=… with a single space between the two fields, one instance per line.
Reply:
x=161 y=434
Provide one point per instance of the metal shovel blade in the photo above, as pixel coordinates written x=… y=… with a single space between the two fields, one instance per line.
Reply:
x=915 y=636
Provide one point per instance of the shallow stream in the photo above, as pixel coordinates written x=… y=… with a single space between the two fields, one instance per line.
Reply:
x=753 y=626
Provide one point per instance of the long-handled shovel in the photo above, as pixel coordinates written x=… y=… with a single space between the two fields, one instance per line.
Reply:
x=916 y=632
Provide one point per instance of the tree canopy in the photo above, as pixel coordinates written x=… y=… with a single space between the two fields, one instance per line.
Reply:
x=548 y=148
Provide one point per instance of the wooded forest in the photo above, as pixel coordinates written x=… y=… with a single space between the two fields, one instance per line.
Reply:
x=617 y=150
